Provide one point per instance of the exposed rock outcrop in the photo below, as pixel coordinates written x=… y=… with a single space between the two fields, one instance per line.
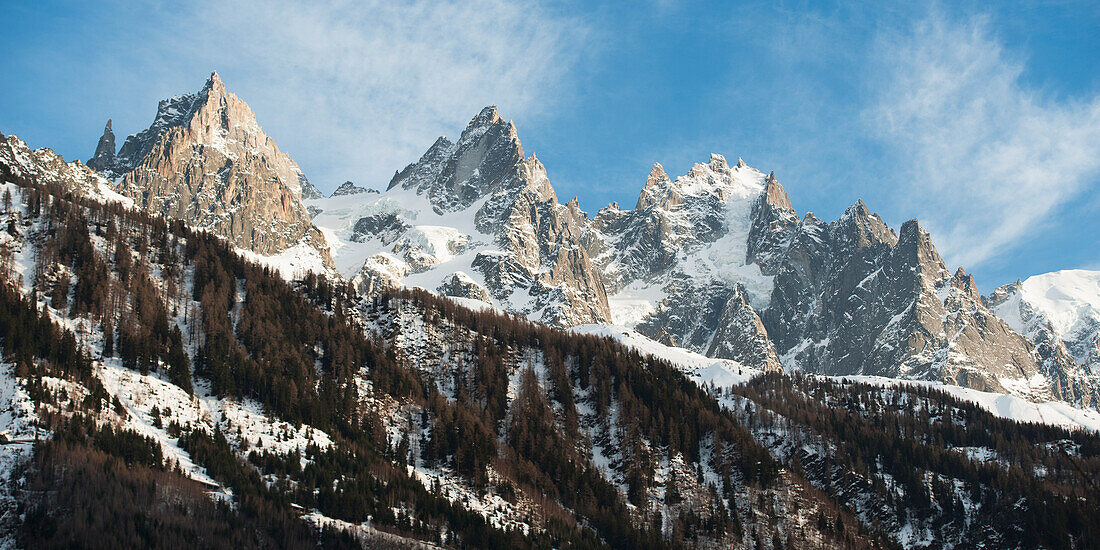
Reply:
x=715 y=318
x=461 y=285
x=310 y=192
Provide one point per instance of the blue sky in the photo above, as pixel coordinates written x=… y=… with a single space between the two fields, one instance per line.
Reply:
x=982 y=121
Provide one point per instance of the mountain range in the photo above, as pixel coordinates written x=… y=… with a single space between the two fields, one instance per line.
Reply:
x=678 y=333
x=716 y=261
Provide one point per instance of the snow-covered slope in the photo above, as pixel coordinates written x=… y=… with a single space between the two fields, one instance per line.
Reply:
x=1060 y=312
x=146 y=403
x=723 y=373
x=705 y=371
x=46 y=165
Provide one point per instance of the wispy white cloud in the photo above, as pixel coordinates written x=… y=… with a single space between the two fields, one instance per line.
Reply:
x=984 y=159
x=357 y=89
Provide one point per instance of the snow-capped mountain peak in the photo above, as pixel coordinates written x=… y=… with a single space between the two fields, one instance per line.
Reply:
x=480 y=207
x=1060 y=312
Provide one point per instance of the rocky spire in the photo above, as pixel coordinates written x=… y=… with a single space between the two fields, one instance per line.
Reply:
x=965 y=282
x=862 y=228
x=915 y=249
x=487 y=117
x=774 y=222
x=656 y=186
x=205 y=160
x=104 y=158
x=775 y=195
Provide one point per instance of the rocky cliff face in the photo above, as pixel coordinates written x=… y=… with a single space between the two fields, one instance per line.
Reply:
x=851 y=297
x=714 y=318
x=206 y=161
x=774 y=222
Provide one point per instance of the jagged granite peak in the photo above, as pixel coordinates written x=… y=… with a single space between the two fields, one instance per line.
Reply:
x=542 y=239
x=773 y=223
x=673 y=218
x=347 y=188
x=915 y=251
x=965 y=283
x=205 y=160
x=485 y=160
x=174 y=111
x=309 y=191
x=104 y=158
x=489 y=116
x=656 y=185
x=850 y=298
x=687 y=243
x=423 y=171
x=516 y=240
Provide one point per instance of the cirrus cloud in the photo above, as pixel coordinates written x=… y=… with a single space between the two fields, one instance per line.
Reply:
x=985 y=158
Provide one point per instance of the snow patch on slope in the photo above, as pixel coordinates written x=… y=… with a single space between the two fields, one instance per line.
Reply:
x=700 y=368
x=292 y=263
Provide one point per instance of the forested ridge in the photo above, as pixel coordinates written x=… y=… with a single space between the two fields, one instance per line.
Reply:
x=908 y=450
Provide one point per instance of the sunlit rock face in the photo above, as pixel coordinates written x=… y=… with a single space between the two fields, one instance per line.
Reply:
x=206 y=161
